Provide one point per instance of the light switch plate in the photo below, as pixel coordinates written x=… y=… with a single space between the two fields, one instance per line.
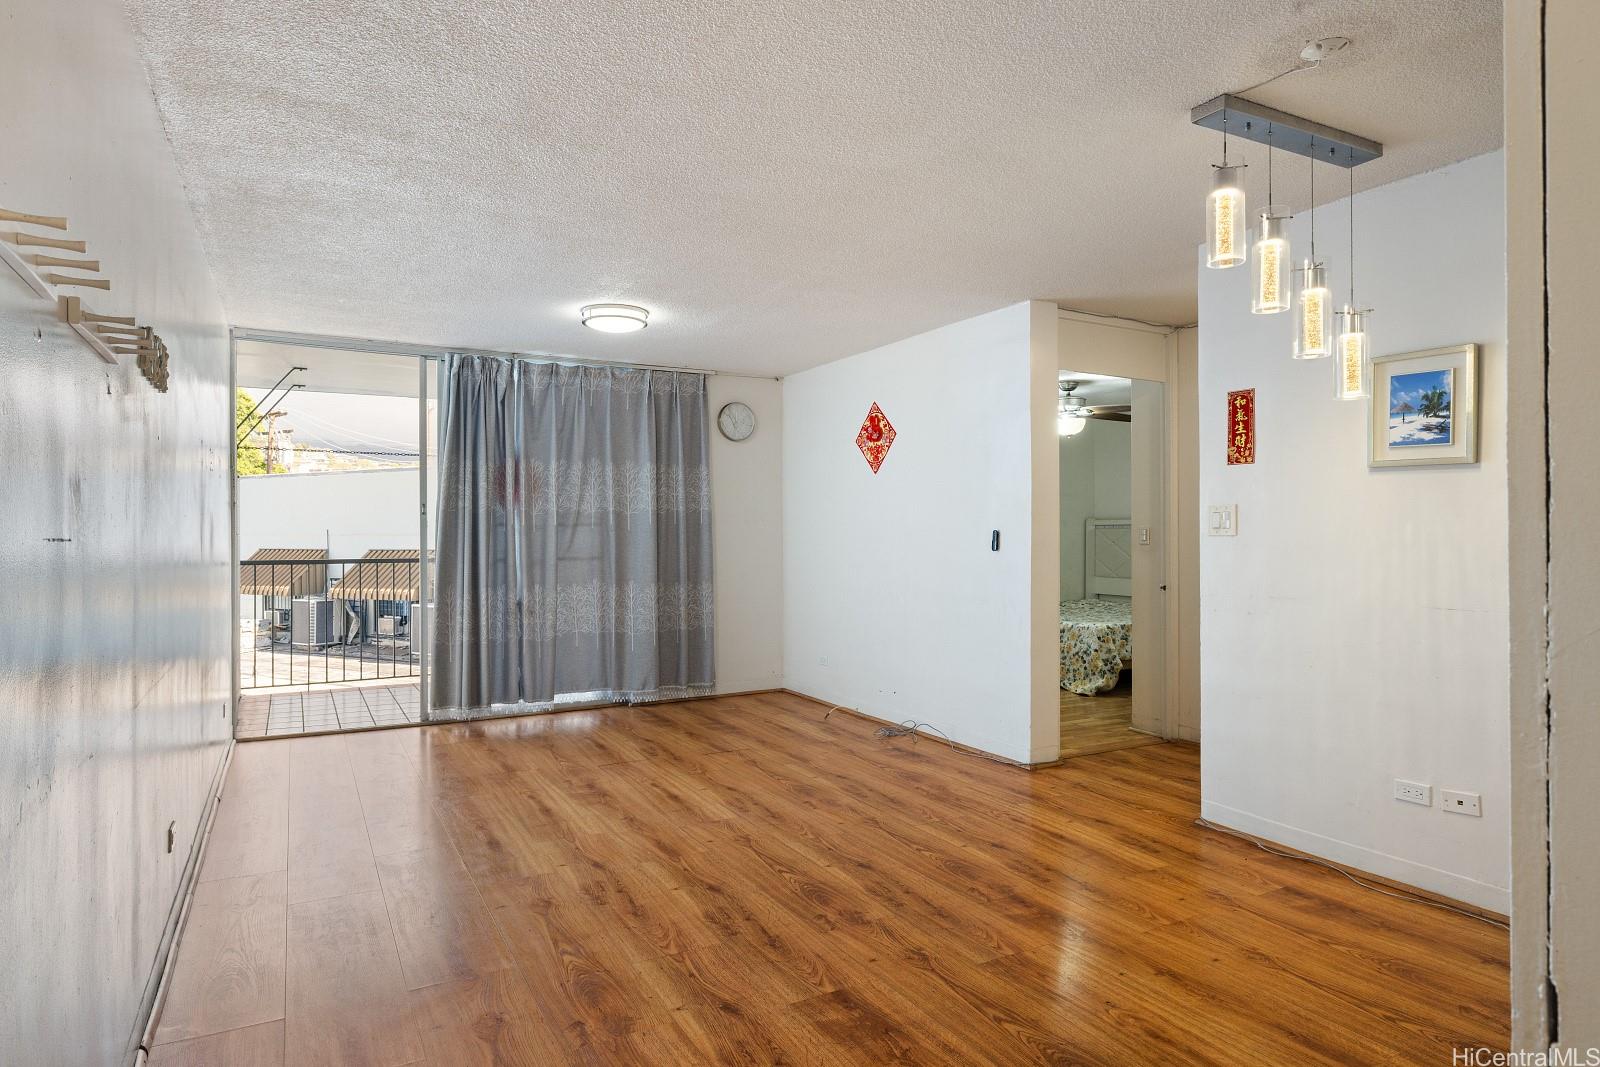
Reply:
x=1222 y=520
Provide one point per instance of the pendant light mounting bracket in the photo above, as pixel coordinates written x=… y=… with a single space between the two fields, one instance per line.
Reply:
x=1291 y=133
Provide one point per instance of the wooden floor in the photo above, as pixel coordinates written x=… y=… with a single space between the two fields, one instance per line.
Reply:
x=738 y=881
x=1101 y=723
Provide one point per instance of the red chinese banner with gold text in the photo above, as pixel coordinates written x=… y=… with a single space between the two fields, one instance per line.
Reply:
x=1241 y=426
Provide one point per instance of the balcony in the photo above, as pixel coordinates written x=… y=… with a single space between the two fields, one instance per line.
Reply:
x=327 y=643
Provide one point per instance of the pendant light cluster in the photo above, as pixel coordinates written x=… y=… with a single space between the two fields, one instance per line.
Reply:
x=1276 y=284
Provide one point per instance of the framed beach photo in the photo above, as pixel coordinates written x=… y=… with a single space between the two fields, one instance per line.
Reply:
x=1424 y=409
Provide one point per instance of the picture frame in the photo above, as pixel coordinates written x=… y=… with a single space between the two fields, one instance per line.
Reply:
x=1423 y=411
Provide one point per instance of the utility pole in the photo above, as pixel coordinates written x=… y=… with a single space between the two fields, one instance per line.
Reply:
x=272 y=436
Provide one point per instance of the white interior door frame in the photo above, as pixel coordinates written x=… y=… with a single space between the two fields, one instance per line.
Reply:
x=1148 y=352
x=419 y=625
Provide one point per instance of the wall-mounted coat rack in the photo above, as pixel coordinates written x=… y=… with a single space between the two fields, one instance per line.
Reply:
x=109 y=336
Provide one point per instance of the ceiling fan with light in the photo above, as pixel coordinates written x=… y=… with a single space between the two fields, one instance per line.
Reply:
x=1073 y=412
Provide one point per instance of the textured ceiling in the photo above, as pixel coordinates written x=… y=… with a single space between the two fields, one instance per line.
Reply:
x=783 y=184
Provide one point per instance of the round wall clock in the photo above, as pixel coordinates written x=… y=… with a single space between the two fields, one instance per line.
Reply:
x=736 y=421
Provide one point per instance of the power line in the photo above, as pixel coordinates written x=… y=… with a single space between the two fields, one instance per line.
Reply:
x=349 y=431
x=357 y=452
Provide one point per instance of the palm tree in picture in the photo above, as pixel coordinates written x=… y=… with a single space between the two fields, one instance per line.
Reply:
x=1434 y=402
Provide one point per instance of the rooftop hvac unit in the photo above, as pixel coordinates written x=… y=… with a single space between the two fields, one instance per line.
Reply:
x=311 y=623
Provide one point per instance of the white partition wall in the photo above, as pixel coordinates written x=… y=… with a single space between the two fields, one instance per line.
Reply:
x=1354 y=631
x=894 y=601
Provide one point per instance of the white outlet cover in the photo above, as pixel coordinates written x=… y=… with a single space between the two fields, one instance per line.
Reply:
x=1413 y=792
x=1461 y=803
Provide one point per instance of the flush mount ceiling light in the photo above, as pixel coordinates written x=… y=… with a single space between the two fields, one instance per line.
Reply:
x=615 y=318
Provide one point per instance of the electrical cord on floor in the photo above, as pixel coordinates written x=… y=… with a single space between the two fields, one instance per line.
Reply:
x=909 y=729
x=1364 y=885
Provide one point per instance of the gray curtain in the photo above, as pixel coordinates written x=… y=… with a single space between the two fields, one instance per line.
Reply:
x=574 y=537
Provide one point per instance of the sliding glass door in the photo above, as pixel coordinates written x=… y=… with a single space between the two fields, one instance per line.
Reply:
x=332 y=530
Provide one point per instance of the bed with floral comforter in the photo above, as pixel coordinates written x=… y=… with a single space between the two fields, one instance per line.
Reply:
x=1096 y=644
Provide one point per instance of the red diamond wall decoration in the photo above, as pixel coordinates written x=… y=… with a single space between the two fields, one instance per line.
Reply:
x=875 y=437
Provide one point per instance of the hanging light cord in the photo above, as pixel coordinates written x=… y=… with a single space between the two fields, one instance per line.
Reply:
x=1313 y=159
x=1352 y=229
x=1269 y=168
x=1307 y=65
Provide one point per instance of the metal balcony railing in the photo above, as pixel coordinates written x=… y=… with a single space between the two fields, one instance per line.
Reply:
x=309 y=621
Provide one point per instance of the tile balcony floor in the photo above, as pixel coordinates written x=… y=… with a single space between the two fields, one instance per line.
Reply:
x=263 y=663
x=285 y=712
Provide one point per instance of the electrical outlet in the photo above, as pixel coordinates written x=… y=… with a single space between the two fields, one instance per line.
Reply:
x=822 y=661
x=1461 y=803
x=1413 y=792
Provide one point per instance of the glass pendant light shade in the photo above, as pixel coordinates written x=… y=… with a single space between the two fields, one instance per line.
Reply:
x=1272 y=265
x=1069 y=425
x=1352 y=365
x=1225 y=219
x=1311 y=340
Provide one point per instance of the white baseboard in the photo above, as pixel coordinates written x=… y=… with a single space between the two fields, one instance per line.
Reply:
x=155 y=993
x=1408 y=872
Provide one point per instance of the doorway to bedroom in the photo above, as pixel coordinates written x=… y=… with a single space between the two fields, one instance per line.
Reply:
x=1112 y=442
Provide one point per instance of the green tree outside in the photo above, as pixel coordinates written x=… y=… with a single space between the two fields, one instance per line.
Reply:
x=249 y=457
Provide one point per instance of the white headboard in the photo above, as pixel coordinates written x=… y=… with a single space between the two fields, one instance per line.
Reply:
x=1107 y=558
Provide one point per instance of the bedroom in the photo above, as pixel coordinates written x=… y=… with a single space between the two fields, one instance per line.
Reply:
x=1096 y=424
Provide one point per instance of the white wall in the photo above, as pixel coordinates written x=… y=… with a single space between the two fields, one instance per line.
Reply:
x=114 y=546
x=1355 y=631
x=346 y=512
x=1096 y=483
x=1113 y=468
x=894 y=603
x=747 y=537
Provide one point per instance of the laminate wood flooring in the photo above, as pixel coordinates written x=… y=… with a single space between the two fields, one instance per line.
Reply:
x=1100 y=723
x=737 y=880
